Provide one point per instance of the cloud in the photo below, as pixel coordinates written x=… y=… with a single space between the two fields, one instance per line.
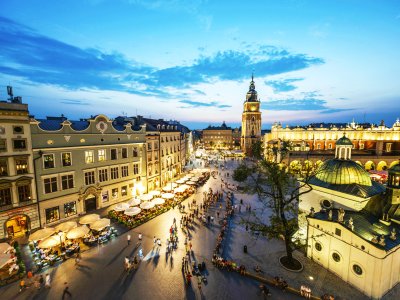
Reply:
x=305 y=104
x=74 y=102
x=203 y=104
x=43 y=60
x=284 y=85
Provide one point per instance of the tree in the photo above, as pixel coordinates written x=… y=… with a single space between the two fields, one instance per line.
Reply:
x=279 y=191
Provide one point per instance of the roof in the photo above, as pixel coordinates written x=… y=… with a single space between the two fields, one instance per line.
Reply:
x=366 y=226
x=222 y=127
x=345 y=141
x=50 y=125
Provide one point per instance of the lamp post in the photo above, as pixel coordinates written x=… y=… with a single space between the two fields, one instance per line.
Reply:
x=60 y=234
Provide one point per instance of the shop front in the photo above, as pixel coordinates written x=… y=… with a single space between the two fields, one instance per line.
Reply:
x=17 y=226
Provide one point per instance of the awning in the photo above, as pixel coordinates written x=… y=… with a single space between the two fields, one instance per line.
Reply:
x=89 y=219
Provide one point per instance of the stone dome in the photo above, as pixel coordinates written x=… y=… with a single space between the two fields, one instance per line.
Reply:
x=341 y=172
x=344 y=141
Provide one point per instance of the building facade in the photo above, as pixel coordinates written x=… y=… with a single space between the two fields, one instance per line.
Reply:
x=218 y=137
x=18 y=199
x=251 y=120
x=350 y=223
x=85 y=165
x=374 y=147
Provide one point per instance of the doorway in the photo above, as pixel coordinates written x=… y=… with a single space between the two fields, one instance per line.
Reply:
x=90 y=203
x=17 y=226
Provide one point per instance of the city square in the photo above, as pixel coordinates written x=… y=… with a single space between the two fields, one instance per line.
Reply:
x=190 y=149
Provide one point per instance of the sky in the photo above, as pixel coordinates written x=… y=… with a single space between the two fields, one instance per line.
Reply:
x=192 y=60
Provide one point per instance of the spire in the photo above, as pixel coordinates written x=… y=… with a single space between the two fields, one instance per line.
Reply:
x=252 y=85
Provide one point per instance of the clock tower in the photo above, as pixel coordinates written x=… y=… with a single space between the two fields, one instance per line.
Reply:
x=251 y=119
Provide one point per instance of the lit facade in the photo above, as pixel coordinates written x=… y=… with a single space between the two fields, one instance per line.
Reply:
x=218 y=137
x=374 y=147
x=18 y=200
x=251 y=120
x=85 y=165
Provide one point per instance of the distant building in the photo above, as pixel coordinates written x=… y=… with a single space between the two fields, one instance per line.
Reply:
x=251 y=120
x=236 y=136
x=218 y=137
x=18 y=199
x=374 y=147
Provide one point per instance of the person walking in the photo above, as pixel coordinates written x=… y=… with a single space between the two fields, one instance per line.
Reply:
x=78 y=259
x=128 y=238
x=22 y=285
x=140 y=236
x=41 y=281
x=154 y=241
x=48 y=281
x=66 y=292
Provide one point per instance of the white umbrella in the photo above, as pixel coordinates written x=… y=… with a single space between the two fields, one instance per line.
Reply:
x=180 y=181
x=100 y=224
x=4 y=259
x=184 y=186
x=155 y=193
x=195 y=179
x=89 y=219
x=158 y=201
x=133 y=211
x=147 y=205
x=78 y=232
x=41 y=234
x=174 y=184
x=5 y=247
x=50 y=242
x=121 y=206
x=134 y=202
x=168 y=196
x=179 y=190
x=167 y=188
x=66 y=226
x=146 y=197
x=191 y=183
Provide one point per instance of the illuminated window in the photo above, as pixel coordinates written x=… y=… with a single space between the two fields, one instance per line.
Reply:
x=70 y=209
x=3 y=167
x=101 y=154
x=66 y=159
x=124 y=191
x=48 y=161
x=89 y=156
x=52 y=214
x=114 y=193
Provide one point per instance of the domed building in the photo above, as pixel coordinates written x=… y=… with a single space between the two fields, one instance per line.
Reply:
x=351 y=223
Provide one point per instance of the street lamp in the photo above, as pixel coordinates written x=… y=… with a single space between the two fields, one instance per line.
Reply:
x=60 y=234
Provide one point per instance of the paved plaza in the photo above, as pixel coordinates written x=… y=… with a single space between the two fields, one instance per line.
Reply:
x=101 y=274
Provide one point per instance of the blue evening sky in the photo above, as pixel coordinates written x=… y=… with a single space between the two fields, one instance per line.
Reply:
x=192 y=60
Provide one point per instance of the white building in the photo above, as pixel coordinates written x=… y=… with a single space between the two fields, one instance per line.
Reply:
x=352 y=223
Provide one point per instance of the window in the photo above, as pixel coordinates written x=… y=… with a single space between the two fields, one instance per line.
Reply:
x=149 y=168
x=5 y=196
x=101 y=154
x=19 y=144
x=24 y=192
x=104 y=196
x=21 y=165
x=70 y=209
x=335 y=257
x=50 y=185
x=318 y=146
x=124 y=191
x=329 y=146
x=124 y=171
x=48 y=161
x=67 y=181
x=156 y=155
x=135 y=169
x=338 y=232
x=135 y=152
x=149 y=146
x=3 y=145
x=114 y=193
x=89 y=156
x=124 y=152
x=52 y=214
x=66 y=159
x=361 y=146
x=103 y=175
x=18 y=129
x=3 y=167
x=114 y=173
x=357 y=269
x=114 y=154
x=318 y=246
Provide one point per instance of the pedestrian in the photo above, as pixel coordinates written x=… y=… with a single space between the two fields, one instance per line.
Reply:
x=128 y=238
x=41 y=280
x=190 y=246
x=78 y=258
x=66 y=292
x=140 y=236
x=159 y=242
x=21 y=285
x=154 y=241
x=174 y=221
x=48 y=281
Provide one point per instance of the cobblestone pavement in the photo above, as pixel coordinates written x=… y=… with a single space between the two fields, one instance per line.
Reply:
x=101 y=274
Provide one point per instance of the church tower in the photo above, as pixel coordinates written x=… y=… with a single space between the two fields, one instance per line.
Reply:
x=251 y=119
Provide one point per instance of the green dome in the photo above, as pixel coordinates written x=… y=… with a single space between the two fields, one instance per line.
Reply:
x=344 y=141
x=340 y=172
